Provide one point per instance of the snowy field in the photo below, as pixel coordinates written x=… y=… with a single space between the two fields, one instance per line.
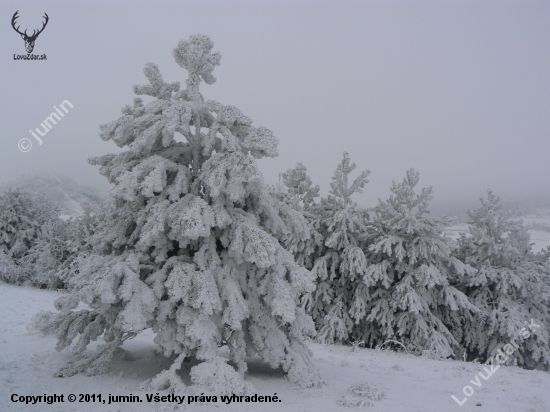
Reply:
x=410 y=384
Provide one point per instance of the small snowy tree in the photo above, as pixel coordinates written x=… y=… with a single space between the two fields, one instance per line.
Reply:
x=297 y=191
x=409 y=297
x=21 y=217
x=50 y=262
x=192 y=248
x=511 y=286
x=338 y=261
x=10 y=272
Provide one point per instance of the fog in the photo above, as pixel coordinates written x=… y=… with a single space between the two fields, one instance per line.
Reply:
x=458 y=90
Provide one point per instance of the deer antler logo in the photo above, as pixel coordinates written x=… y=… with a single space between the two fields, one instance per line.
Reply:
x=29 y=40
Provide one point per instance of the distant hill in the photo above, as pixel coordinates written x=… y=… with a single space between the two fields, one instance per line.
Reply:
x=72 y=197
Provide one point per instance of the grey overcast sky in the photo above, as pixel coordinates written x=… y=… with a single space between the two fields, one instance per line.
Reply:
x=459 y=90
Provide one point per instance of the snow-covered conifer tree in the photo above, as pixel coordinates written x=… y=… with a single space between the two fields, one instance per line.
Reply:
x=299 y=188
x=10 y=271
x=21 y=218
x=50 y=262
x=409 y=297
x=192 y=248
x=511 y=286
x=338 y=261
x=297 y=191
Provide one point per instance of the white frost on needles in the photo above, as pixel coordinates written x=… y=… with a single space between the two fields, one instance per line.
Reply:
x=192 y=247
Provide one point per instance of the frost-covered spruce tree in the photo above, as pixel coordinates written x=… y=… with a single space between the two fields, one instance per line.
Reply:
x=409 y=296
x=51 y=260
x=296 y=190
x=338 y=262
x=511 y=286
x=192 y=248
x=21 y=217
x=10 y=271
x=43 y=261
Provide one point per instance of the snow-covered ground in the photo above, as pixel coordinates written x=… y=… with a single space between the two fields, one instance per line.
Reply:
x=410 y=384
x=537 y=222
